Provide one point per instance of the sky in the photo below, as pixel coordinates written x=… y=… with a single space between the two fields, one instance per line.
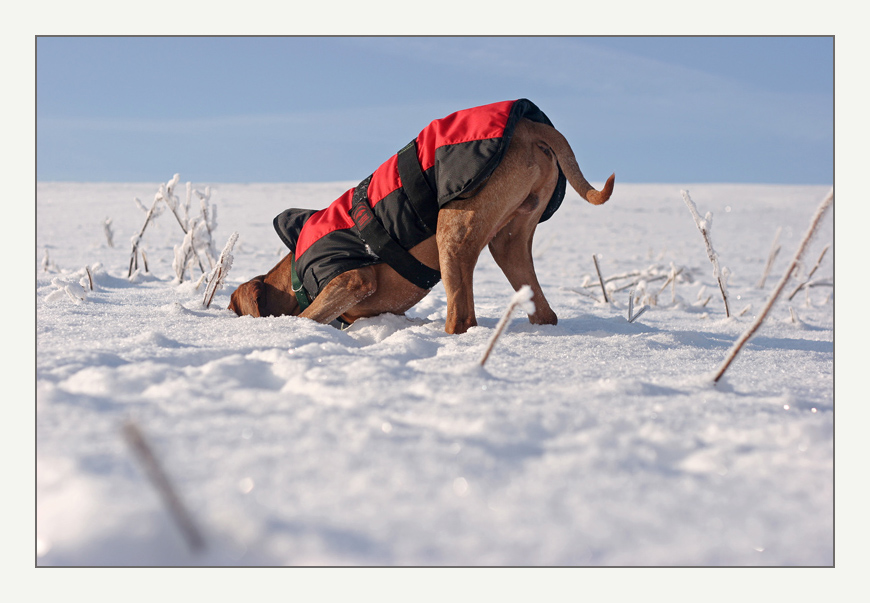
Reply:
x=315 y=109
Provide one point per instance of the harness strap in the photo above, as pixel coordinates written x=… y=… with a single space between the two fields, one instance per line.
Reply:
x=302 y=295
x=379 y=241
x=420 y=193
x=299 y=291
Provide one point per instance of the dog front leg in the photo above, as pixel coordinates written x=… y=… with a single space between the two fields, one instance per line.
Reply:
x=341 y=294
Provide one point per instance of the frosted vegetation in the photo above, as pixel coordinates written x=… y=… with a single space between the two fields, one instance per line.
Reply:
x=599 y=441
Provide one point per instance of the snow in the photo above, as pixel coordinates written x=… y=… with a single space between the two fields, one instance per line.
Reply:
x=594 y=442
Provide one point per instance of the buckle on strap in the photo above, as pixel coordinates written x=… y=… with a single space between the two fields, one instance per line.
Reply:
x=382 y=244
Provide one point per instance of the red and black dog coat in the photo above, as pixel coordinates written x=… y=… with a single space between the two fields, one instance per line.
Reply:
x=397 y=206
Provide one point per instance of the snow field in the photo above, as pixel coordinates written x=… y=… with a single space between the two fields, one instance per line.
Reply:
x=593 y=442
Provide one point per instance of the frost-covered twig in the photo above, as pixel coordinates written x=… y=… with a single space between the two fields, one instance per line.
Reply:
x=826 y=202
x=107 y=229
x=580 y=292
x=136 y=239
x=209 y=219
x=539 y=250
x=810 y=275
x=705 y=226
x=600 y=280
x=523 y=298
x=187 y=250
x=76 y=292
x=142 y=450
x=632 y=317
x=221 y=269
x=774 y=250
x=46 y=263
x=166 y=193
x=183 y=256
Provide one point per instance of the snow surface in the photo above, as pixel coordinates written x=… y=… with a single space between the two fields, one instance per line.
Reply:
x=593 y=442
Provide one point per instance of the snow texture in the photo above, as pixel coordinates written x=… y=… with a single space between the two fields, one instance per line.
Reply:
x=594 y=442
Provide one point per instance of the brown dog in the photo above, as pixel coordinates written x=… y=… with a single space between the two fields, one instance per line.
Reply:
x=502 y=213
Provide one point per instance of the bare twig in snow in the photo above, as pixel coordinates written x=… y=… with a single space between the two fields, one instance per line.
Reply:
x=540 y=249
x=826 y=202
x=142 y=450
x=580 y=292
x=705 y=226
x=210 y=220
x=221 y=269
x=774 y=251
x=183 y=256
x=107 y=229
x=632 y=317
x=810 y=275
x=90 y=277
x=134 y=262
x=671 y=278
x=600 y=280
x=523 y=298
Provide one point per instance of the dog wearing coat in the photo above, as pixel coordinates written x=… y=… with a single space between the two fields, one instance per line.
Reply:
x=481 y=177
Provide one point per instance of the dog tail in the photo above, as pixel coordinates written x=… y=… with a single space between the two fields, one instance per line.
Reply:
x=565 y=156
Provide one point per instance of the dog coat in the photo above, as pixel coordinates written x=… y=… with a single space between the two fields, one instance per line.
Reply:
x=396 y=207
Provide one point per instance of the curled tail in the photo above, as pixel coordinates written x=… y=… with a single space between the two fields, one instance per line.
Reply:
x=565 y=156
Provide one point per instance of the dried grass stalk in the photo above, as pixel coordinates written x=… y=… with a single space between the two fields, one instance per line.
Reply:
x=220 y=270
x=600 y=280
x=523 y=297
x=774 y=251
x=184 y=521
x=812 y=272
x=704 y=226
x=814 y=223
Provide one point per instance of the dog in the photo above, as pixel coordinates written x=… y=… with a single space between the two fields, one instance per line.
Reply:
x=480 y=177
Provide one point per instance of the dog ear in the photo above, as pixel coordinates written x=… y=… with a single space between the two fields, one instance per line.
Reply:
x=249 y=298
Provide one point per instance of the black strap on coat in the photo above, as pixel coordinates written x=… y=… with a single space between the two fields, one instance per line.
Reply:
x=420 y=193
x=379 y=241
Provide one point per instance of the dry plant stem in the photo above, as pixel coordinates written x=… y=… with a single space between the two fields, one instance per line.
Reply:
x=826 y=202
x=632 y=318
x=145 y=456
x=184 y=230
x=219 y=272
x=502 y=323
x=90 y=278
x=138 y=237
x=774 y=251
x=710 y=253
x=600 y=280
x=639 y=312
x=580 y=292
x=810 y=275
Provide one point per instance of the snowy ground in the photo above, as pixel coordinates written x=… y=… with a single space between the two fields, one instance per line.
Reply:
x=593 y=442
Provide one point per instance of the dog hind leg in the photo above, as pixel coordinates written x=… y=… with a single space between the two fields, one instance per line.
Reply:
x=465 y=227
x=511 y=249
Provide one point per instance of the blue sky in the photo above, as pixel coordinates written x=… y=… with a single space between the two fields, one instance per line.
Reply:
x=306 y=109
